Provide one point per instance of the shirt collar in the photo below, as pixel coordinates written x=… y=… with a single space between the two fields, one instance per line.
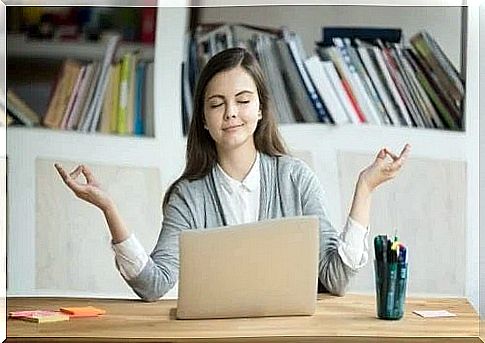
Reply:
x=250 y=182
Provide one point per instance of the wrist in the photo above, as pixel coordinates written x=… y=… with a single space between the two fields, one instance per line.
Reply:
x=109 y=208
x=363 y=188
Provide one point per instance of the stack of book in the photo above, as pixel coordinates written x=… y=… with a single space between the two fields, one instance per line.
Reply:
x=358 y=75
x=106 y=96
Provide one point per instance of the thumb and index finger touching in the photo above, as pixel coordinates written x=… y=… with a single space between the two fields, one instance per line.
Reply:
x=396 y=160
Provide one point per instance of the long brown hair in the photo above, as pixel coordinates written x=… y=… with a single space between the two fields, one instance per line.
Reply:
x=201 y=155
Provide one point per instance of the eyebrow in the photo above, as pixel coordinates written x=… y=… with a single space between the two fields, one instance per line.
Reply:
x=221 y=96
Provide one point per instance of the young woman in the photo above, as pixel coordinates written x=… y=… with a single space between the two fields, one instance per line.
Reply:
x=238 y=171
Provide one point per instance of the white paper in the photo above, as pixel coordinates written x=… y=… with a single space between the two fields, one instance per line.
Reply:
x=434 y=314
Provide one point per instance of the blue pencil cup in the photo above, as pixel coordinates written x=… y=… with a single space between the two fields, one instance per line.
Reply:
x=391 y=282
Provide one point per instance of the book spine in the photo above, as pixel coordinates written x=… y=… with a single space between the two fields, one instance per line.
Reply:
x=121 y=126
x=320 y=111
x=342 y=94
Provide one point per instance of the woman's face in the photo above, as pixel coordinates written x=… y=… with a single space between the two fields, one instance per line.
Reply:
x=232 y=109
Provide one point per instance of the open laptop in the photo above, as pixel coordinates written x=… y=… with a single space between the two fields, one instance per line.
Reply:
x=267 y=268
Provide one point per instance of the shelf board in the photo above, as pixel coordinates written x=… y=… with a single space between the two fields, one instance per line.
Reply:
x=20 y=46
x=78 y=146
x=428 y=143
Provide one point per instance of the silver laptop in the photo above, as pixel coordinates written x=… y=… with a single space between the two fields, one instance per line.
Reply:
x=267 y=268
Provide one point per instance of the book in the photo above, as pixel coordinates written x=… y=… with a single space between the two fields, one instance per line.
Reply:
x=106 y=112
x=422 y=96
x=368 y=59
x=39 y=316
x=59 y=100
x=325 y=88
x=331 y=54
x=148 y=101
x=297 y=56
x=86 y=99
x=73 y=98
x=91 y=122
x=414 y=116
x=138 y=128
x=404 y=116
x=116 y=95
x=301 y=103
x=369 y=34
x=19 y=109
x=431 y=53
x=444 y=113
x=130 y=105
x=125 y=75
x=369 y=87
x=342 y=94
x=356 y=83
x=421 y=117
x=267 y=53
x=448 y=103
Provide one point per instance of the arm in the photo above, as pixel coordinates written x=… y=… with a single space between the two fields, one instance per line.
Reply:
x=371 y=177
x=333 y=272
x=160 y=272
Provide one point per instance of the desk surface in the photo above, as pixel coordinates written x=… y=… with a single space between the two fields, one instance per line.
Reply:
x=351 y=318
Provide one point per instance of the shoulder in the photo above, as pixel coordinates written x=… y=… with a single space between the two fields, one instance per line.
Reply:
x=187 y=193
x=289 y=166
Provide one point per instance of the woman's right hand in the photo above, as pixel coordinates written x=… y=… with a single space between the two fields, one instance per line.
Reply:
x=90 y=190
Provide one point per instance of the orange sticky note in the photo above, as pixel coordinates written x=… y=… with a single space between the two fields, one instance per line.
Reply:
x=86 y=311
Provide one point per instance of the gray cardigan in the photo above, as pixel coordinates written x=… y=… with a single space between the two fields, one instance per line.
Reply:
x=288 y=188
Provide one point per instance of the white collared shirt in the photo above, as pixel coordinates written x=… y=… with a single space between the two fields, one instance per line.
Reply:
x=240 y=202
x=240 y=199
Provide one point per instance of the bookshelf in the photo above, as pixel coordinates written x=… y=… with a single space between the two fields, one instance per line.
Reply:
x=19 y=46
x=436 y=155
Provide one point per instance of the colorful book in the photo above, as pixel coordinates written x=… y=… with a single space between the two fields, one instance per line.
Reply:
x=106 y=111
x=125 y=74
x=81 y=98
x=148 y=101
x=62 y=93
x=139 y=94
x=324 y=87
x=73 y=98
x=20 y=110
x=342 y=94
x=116 y=98
x=370 y=63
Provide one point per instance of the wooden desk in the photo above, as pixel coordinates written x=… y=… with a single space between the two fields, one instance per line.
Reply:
x=338 y=319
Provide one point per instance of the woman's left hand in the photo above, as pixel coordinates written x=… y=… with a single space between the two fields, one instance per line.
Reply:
x=383 y=169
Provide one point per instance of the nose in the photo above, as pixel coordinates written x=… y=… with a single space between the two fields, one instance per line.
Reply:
x=231 y=111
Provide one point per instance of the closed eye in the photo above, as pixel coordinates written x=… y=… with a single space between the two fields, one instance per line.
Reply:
x=216 y=105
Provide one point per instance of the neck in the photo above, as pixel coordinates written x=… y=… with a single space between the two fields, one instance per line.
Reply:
x=237 y=162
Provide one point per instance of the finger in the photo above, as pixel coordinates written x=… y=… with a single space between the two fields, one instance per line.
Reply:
x=62 y=172
x=405 y=151
x=88 y=174
x=381 y=155
x=393 y=156
x=75 y=173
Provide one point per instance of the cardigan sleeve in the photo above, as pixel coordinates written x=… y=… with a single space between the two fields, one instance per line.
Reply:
x=334 y=272
x=161 y=271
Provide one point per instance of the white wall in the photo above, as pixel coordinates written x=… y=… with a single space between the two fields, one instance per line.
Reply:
x=307 y=21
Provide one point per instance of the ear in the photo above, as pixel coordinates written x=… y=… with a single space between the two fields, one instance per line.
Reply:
x=260 y=114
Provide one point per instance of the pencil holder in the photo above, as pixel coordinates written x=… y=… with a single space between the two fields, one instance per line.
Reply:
x=391 y=281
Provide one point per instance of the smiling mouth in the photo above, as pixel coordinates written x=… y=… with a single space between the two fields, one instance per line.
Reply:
x=232 y=127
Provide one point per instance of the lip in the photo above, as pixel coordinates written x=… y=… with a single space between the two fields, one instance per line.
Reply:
x=232 y=127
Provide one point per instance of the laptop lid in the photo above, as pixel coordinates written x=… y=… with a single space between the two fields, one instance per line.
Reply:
x=266 y=268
